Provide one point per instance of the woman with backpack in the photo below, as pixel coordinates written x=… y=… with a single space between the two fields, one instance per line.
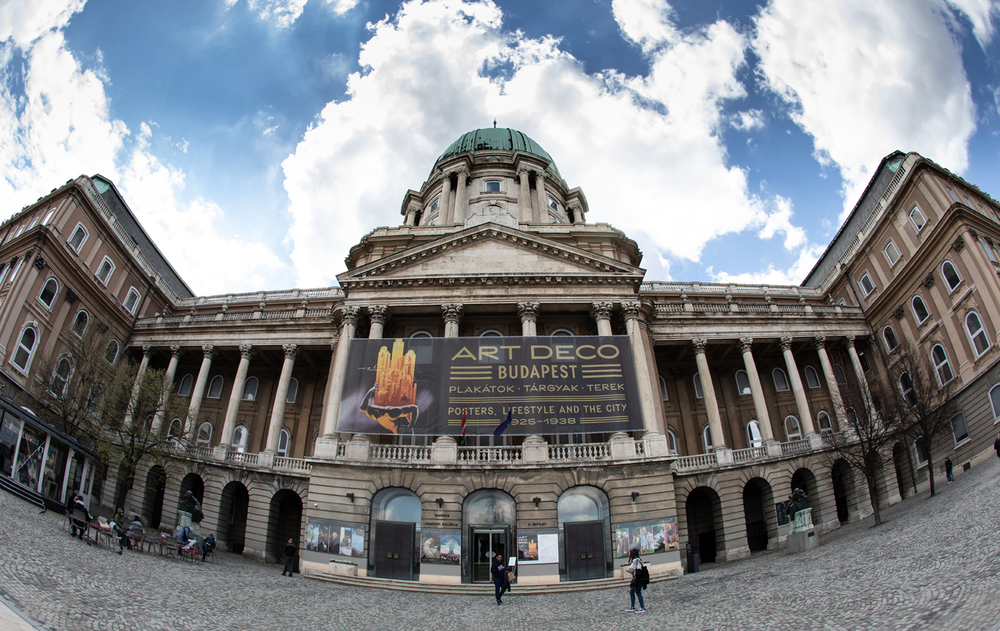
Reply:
x=640 y=578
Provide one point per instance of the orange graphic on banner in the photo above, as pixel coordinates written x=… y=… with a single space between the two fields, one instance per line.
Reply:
x=394 y=376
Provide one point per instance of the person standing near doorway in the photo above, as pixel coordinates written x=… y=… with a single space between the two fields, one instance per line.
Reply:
x=290 y=551
x=499 y=572
x=635 y=564
x=949 y=470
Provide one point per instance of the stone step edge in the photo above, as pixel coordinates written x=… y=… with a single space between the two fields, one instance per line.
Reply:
x=479 y=589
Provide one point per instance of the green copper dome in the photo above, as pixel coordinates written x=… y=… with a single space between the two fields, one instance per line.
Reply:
x=499 y=139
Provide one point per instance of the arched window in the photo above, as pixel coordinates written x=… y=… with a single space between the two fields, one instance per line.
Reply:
x=918 y=219
x=950 y=275
x=111 y=352
x=664 y=392
x=995 y=400
x=780 y=380
x=852 y=416
x=891 y=343
x=792 y=429
x=976 y=333
x=824 y=423
x=959 y=428
x=491 y=333
x=240 y=437
x=891 y=252
x=78 y=237
x=215 y=388
x=60 y=377
x=104 y=271
x=48 y=217
x=293 y=390
x=283 y=440
x=204 y=435
x=919 y=309
x=561 y=333
x=25 y=349
x=866 y=285
x=15 y=269
x=131 y=300
x=989 y=252
x=839 y=374
x=742 y=382
x=941 y=365
x=906 y=389
x=80 y=323
x=48 y=294
x=706 y=439
x=421 y=333
x=174 y=429
x=753 y=434
x=672 y=441
x=812 y=377
x=250 y=389
x=698 y=392
x=184 y=388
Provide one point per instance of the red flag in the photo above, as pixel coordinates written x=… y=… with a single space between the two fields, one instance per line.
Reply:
x=463 y=426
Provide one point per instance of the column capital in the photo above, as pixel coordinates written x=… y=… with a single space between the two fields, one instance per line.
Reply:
x=208 y=350
x=699 y=344
x=147 y=350
x=348 y=316
x=819 y=342
x=523 y=171
x=291 y=350
x=176 y=351
x=786 y=343
x=452 y=312
x=632 y=310
x=601 y=310
x=246 y=351
x=462 y=173
x=746 y=344
x=528 y=311
x=378 y=313
x=849 y=341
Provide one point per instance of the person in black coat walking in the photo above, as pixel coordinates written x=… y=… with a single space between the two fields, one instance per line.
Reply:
x=499 y=572
x=290 y=551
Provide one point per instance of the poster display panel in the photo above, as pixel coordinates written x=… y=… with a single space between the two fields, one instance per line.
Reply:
x=335 y=537
x=548 y=385
x=439 y=546
x=537 y=546
x=648 y=537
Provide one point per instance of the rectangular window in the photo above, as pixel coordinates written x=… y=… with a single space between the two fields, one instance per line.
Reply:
x=958 y=428
x=891 y=252
x=492 y=186
x=921 y=454
x=104 y=271
x=131 y=300
x=865 y=366
x=866 y=284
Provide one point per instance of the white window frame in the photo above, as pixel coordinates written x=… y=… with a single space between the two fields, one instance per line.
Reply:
x=241 y=436
x=211 y=385
x=181 y=392
x=284 y=435
x=3 y=272
x=867 y=286
x=491 y=333
x=886 y=250
x=819 y=422
x=947 y=282
x=672 y=441
x=420 y=334
x=561 y=332
x=56 y=376
x=48 y=217
x=176 y=421
x=774 y=376
x=986 y=246
x=981 y=331
x=73 y=327
x=913 y=307
x=699 y=390
x=293 y=390
x=907 y=392
x=794 y=435
x=114 y=356
x=206 y=442
x=111 y=270
x=754 y=437
x=942 y=368
x=994 y=397
x=809 y=370
x=79 y=227
x=132 y=291
x=664 y=391
x=29 y=351
x=247 y=395
x=486 y=185
x=951 y=194
x=923 y=218
x=706 y=439
x=48 y=305
x=739 y=390
x=954 y=434
x=17 y=268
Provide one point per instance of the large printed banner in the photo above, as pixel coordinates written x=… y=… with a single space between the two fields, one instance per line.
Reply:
x=549 y=385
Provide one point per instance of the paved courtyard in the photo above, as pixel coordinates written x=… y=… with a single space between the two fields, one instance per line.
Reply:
x=935 y=564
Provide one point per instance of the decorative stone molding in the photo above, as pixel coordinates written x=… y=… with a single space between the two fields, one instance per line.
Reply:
x=899 y=313
x=246 y=351
x=632 y=310
x=71 y=296
x=929 y=281
x=39 y=262
x=452 y=312
x=528 y=311
x=601 y=310
x=291 y=350
x=699 y=344
x=786 y=343
x=176 y=351
x=849 y=341
x=147 y=350
x=746 y=344
x=819 y=342
x=348 y=315
x=959 y=244
x=208 y=351
x=378 y=314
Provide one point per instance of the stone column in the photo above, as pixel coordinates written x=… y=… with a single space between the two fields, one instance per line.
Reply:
x=452 y=316
x=801 y=403
x=708 y=389
x=529 y=318
x=756 y=392
x=644 y=380
x=278 y=413
x=859 y=372
x=444 y=202
x=378 y=315
x=147 y=351
x=543 y=201
x=524 y=199
x=461 y=196
x=246 y=353
x=831 y=380
x=168 y=386
x=208 y=352
x=338 y=369
x=601 y=311
x=411 y=214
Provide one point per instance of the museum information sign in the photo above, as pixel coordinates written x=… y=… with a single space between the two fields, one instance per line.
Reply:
x=548 y=385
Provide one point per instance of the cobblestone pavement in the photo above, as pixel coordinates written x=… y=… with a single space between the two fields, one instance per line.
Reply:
x=932 y=565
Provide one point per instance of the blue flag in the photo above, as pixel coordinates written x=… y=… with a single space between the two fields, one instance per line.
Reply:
x=502 y=427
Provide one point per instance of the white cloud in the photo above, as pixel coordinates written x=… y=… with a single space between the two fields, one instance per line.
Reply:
x=980 y=14
x=24 y=21
x=748 y=121
x=780 y=221
x=771 y=276
x=661 y=176
x=284 y=13
x=865 y=78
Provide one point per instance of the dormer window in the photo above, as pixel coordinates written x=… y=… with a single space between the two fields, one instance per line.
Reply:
x=492 y=186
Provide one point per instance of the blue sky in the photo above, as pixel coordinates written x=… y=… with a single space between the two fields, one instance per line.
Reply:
x=257 y=140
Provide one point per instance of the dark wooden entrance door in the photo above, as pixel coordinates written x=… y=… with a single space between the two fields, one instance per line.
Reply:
x=585 y=550
x=394 y=550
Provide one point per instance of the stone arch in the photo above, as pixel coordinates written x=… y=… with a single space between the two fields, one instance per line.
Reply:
x=284 y=521
x=844 y=493
x=394 y=528
x=195 y=483
x=584 y=518
x=704 y=522
x=759 y=514
x=490 y=508
x=234 y=504
x=152 y=501
x=803 y=478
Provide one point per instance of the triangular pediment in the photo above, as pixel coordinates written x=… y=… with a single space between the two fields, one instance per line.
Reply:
x=493 y=251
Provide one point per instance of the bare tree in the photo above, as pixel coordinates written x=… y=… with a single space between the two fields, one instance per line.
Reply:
x=924 y=399
x=96 y=398
x=867 y=432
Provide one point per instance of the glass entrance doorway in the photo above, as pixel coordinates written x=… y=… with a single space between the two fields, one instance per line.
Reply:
x=486 y=544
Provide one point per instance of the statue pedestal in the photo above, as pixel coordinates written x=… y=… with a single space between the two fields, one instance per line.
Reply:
x=802 y=537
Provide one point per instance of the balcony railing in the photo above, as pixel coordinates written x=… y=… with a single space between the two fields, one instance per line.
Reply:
x=489 y=454
x=400 y=453
x=591 y=451
x=699 y=461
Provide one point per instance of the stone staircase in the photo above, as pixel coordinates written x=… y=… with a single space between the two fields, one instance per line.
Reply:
x=23 y=492
x=478 y=589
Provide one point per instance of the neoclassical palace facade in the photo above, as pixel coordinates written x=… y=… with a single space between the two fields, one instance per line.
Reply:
x=641 y=414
